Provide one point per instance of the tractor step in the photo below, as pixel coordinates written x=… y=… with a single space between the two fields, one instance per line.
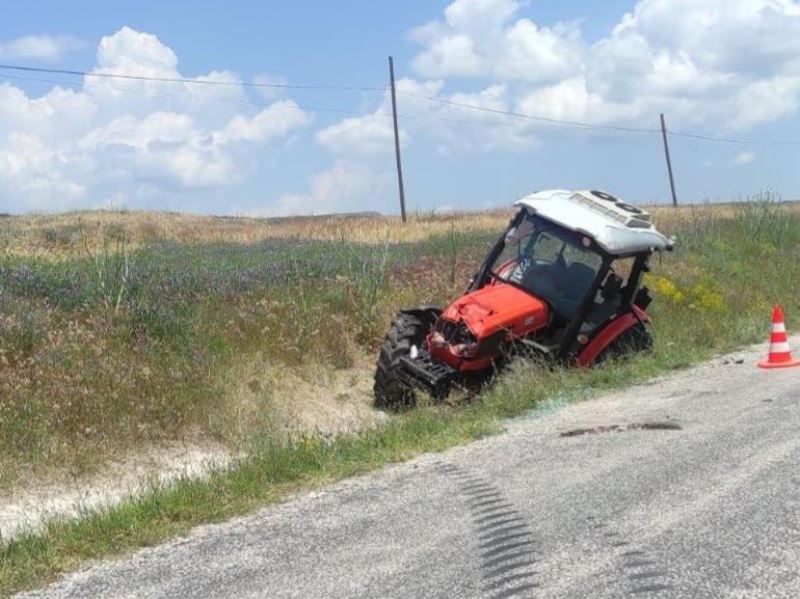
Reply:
x=423 y=372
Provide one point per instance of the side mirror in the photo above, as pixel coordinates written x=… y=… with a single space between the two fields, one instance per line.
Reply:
x=643 y=298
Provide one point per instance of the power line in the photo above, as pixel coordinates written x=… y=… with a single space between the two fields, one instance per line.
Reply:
x=253 y=84
x=733 y=140
x=485 y=109
x=194 y=95
x=591 y=126
x=418 y=117
x=532 y=117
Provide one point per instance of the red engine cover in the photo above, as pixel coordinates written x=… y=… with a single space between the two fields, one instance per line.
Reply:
x=498 y=306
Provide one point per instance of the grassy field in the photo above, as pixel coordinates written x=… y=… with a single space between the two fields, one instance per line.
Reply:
x=110 y=338
x=118 y=329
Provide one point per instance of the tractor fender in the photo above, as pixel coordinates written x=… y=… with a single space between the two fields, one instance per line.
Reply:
x=609 y=333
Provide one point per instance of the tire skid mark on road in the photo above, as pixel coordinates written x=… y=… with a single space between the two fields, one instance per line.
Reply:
x=503 y=531
x=504 y=522
x=505 y=541
x=494 y=516
x=637 y=565
x=492 y=510
x=504 y=549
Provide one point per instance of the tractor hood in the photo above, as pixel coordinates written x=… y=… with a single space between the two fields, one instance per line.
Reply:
x=498 y=306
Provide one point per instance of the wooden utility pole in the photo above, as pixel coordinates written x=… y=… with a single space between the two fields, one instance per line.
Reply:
x=669 y=161
x=397 y=143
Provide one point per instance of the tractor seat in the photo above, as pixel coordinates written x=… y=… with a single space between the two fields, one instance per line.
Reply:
x=577 y=281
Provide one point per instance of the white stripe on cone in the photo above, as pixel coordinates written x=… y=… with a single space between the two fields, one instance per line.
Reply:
x=780 y=348
x=779 y=327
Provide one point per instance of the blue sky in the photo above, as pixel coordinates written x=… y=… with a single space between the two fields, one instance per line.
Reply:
x=721 y=68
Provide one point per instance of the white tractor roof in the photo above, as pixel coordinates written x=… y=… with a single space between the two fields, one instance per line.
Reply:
x=617 y=227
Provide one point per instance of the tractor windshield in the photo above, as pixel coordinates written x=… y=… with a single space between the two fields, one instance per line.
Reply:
x=550 y=263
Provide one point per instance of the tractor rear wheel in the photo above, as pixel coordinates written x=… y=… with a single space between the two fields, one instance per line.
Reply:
x=636 y=339
x=390 y=392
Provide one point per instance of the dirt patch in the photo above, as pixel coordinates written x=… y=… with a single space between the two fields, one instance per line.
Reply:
x=260 y=401
x=31 y=503
x=265 y=399
x=328 y=403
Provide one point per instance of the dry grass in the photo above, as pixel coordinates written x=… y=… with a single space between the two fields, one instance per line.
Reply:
x=69 y=234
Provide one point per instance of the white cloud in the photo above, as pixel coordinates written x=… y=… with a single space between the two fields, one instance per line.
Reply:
x=722 y=64
x=698 y=61
x=346 y=187
x=40 y=47
x=744 y=157
x=370 y=134
x=711 y=62
x=31 y=168
x=275 y=121
x=478 y=39
x=456 y=128
x=123 y=140
x=695 y=60
x=135 y=53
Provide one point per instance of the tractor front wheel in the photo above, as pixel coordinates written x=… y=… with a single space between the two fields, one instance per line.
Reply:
x=390 y=392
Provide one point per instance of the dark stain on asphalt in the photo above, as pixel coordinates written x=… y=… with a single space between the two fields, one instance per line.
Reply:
x=591 y=431
x=655 y=426
x=616 y=428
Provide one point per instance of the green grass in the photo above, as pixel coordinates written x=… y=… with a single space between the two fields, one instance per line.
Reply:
x=110 y=350
x=713 y=293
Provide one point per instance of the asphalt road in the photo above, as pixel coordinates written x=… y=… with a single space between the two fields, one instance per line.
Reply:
x=686 y=487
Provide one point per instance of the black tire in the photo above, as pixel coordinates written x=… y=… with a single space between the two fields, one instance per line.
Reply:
x=390 y=392
x=635 y=340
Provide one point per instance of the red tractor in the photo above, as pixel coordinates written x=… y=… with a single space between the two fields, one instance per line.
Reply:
x=562 y=283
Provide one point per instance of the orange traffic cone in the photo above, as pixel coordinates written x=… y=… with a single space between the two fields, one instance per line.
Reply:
x=780 y=355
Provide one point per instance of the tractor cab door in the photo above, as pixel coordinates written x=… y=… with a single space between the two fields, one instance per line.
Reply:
x=615 y=293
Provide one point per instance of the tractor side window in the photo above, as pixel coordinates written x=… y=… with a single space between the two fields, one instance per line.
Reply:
x=515 y=251
x=623 y=267
x=616 y=279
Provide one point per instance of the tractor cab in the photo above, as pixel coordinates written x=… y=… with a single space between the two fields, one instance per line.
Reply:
x=562 y=282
